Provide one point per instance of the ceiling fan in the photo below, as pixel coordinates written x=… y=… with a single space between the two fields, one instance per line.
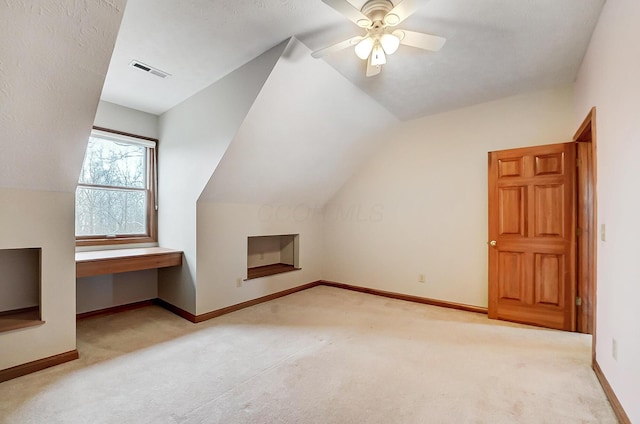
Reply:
x=379 y=17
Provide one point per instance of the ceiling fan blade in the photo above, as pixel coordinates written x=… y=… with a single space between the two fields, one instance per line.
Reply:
x=400 y=12
x=347 y=9
x=420 y=40
x=372 y=70
x=337 y=47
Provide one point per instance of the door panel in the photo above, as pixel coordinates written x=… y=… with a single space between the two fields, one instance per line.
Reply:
x=549 y=164
x=549 y=210
x=512 y=280
x=511 y=210
x=510 y=167
x=532 y=220
x=548 y=278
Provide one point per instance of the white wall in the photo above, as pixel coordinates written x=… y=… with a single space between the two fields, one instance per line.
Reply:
x=105 y=291
x=195 y=134
x=45 y=220
x=289 y=250
x=297 y=145
x=263 y=251
x=223 y=229
x=120 y=118
x=610 y=80
x=58 y=53
x=420 y=205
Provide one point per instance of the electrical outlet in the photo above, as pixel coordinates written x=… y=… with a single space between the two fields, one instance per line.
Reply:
x=421 y=278
x=614 y=349
x=603 y=235
x=261 y=255
x=239 y=282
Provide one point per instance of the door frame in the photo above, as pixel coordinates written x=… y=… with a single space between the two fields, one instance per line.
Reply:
x=586 y=257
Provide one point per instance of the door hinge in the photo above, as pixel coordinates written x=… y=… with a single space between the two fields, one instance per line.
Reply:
x=578 y=162
x=578 y=232
x=578 y=301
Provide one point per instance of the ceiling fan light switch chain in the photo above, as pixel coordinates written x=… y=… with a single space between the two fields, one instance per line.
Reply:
x=377 y=55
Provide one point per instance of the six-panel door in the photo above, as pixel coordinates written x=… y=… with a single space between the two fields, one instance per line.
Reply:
x=532 y=221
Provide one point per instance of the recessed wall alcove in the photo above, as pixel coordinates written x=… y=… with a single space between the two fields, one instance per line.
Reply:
x=20 y=277
x=269 y=255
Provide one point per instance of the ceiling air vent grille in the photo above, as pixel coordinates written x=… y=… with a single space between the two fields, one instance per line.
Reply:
x=148 y=69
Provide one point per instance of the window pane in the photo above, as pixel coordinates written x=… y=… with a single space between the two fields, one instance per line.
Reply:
x=109 y=212
x=114 y=163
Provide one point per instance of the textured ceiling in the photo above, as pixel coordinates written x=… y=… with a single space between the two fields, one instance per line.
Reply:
x=50 y=83
x=495 y=48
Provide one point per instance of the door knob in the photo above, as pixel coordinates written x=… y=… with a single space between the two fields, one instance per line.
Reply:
x=493 y=243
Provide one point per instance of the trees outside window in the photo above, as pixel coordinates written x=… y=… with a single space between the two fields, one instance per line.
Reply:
x=115 y=197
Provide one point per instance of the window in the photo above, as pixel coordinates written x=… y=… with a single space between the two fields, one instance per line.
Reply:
x=115 y=197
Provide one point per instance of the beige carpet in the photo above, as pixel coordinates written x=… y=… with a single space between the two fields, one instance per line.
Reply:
x=323 y=355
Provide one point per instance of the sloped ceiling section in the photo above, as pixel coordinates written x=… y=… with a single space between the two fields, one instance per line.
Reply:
x=305 y=135
x=196 y=133
x=53 y=60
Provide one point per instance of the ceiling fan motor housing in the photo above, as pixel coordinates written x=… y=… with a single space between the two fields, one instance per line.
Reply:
x=376 y=10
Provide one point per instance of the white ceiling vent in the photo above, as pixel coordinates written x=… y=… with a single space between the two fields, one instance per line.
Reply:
x=149 y=69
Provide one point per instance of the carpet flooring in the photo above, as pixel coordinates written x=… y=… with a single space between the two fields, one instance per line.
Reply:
x=323 y=355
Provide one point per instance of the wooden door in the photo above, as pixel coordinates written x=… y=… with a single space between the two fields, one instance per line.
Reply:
x=532 y=213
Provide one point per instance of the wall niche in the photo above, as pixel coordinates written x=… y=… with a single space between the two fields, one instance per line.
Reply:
x=269 y=255
x=20 y=275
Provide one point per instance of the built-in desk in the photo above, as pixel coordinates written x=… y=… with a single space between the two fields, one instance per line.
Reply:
x=101 y=262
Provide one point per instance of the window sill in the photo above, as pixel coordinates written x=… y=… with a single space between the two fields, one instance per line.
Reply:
x=82 y=242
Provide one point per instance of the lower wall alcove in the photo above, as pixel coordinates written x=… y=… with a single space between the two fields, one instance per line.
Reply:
x=269 y=255
x=19 y=288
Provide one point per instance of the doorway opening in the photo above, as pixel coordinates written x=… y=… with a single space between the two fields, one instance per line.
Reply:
x=543 y=233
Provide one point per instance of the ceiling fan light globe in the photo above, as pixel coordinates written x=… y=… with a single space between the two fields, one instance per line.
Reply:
x=363 y=48
x=389 y=43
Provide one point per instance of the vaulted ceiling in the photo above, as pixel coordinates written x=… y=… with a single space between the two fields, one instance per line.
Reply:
x=53 y=60
x=495 y=48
